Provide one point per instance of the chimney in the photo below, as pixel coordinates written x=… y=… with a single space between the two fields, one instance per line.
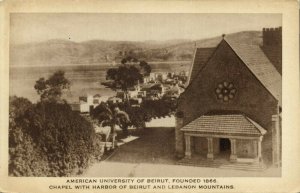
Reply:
x=272 y=36
x=272 y=46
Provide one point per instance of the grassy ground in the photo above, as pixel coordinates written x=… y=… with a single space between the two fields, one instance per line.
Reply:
x=154 y=145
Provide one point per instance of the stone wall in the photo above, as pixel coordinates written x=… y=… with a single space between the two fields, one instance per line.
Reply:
x=179 y=140
x=200 y=145
x=246 y=148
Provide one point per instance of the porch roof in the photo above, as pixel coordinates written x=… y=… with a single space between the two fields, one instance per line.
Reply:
x=233 y=124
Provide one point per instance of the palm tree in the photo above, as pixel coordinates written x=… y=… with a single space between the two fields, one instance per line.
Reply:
x=110 y=115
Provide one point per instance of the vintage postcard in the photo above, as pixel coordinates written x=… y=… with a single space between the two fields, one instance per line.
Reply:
x=150 y=96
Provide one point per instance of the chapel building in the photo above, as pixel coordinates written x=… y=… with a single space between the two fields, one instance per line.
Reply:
x=231 y=108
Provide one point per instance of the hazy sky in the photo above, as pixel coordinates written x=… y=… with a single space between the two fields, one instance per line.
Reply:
x=34 y=27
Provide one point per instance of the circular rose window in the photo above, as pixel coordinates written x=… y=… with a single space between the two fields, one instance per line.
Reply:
x=225 y=91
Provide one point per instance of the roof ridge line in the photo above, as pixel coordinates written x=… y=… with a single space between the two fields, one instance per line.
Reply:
x=191 y=81
x=192 y=66
x=272 y=66
x=252 y=70
x=251 y=121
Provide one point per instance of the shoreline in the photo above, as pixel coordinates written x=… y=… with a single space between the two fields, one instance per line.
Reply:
x=104 y=64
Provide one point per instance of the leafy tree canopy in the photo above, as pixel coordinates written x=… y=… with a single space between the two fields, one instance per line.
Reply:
x=53 y=87
x=49 y=139
x=109 y=114
x=128 y=74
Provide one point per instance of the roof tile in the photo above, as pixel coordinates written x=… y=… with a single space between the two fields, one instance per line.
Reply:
x=201 y=57
x=259 y=64
x=234 y=124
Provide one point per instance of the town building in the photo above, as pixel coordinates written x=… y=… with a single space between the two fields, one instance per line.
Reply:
x=161 y=77
x=152 y=76
x=231 y=109
x=153 y=91
x=115 y=99
x=173 y=92
x=134 y=92
x=87 y=103
x=147 y=79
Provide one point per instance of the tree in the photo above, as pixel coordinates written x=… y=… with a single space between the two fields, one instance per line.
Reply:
x=25 y=157
x=49 y=139
x=127 y=75
x=67 y=138
x=145 y=68
x=52 y=88
x=158 y=108
x=137 y=116
x=110 y=115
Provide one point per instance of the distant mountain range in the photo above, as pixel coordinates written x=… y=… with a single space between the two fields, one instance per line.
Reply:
x=65 y=52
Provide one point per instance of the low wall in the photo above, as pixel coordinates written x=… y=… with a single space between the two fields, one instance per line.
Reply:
x=162 y=122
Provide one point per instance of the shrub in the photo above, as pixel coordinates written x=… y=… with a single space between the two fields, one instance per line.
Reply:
x=25 y=157
x=49 y=139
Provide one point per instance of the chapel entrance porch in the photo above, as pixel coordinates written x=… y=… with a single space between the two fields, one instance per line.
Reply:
x=212 y=148
x=220 y=152
x=220 y=140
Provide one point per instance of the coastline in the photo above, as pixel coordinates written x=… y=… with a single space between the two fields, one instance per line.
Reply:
x=104 y=64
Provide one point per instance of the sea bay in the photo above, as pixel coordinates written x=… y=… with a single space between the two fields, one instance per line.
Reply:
x=85 y=78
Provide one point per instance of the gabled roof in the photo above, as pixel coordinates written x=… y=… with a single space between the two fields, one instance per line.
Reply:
x=251 y=53
x=274 y=53
x=259 y=64
x=233 y=124
x=201 y=57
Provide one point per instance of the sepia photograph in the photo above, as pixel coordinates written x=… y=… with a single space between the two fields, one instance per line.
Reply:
x=145 y=95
